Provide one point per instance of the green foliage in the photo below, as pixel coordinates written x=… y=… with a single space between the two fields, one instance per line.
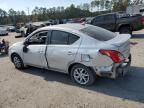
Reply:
x=84 y=10
x=120 y=5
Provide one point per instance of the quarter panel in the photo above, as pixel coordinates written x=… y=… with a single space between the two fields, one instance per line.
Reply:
x=88 y=53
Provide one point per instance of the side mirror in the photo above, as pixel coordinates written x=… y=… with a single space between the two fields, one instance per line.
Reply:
x=26 y=43
x=25 y=49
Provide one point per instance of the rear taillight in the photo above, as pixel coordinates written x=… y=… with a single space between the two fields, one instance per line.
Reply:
x=114 y=55
x=142 y=20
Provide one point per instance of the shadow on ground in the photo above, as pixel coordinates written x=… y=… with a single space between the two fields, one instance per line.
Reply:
x=130 y=87
x=138 y=36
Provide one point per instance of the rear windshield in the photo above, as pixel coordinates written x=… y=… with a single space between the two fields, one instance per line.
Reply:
x=98 y=33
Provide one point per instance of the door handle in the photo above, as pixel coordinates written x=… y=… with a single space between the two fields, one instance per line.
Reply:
x=70 y=53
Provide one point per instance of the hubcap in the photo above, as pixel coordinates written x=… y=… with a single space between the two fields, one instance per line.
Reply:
x=81 y=76
x=17 y=62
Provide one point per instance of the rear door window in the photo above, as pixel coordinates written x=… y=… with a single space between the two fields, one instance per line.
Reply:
x=98 y=33
x=59 y=38
x=63 y=38
x=72 y=38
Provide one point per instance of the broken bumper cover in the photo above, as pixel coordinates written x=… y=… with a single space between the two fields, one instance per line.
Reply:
x=115 y=70
x=121 y=69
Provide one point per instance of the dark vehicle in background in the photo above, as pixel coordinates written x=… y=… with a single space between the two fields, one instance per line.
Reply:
x=11 y=28
x=119 y=22
x=80 y=20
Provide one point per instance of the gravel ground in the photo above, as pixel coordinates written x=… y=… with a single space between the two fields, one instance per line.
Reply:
x=37 y=88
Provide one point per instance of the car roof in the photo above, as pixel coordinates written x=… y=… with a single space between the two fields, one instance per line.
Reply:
x=66 y=27
x=119 y=12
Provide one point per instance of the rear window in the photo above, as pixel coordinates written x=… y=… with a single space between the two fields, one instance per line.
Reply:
x=98 y=33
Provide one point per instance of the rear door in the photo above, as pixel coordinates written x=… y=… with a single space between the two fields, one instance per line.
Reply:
x=61 y=50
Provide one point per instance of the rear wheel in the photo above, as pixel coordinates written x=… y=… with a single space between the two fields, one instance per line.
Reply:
x=82 y=75
x=125 y=30
x=17 y=61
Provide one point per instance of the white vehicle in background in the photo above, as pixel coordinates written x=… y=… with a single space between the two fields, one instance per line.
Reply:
x=23 y=31
x=3 y=31
x=34 y=26
x=136 y=8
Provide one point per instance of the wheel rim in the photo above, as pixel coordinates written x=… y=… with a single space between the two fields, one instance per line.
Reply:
x=17 y=62
x=81 y=76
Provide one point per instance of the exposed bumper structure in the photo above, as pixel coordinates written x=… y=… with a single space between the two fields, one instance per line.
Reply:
x=123 y=68
x=119 y=69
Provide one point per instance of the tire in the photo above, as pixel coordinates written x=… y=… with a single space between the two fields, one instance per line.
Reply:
x=19 y=36
x=22 y=34
x=6 y=50
x=84 y=78
x=6 y=34
x=17 y=61
x=125 y=30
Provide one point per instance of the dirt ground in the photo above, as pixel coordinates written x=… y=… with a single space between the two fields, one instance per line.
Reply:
x=37 y=88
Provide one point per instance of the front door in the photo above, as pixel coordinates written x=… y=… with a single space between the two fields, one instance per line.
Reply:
x=35 y=55
x=61 y=50
x=109 y=22
x=99 y=21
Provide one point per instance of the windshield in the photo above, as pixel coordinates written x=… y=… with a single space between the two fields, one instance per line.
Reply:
x=98 y=33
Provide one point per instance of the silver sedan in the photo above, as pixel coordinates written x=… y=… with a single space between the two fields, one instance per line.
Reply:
x=81 y=50
x=3 y=31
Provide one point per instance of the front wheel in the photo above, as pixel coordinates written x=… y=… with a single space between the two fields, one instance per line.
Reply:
x=82 y=75
x=17 y=61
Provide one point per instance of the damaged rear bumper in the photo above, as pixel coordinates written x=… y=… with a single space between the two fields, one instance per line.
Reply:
x=122 y=69
x=118 y=69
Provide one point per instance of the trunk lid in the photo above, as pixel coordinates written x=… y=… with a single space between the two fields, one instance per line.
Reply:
x=122 y=42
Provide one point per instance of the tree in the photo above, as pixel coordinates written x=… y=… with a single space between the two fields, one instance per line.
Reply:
x=86 y=6
x=12 y=15
x=108 y=5
x=120 y=5
x=83 y=10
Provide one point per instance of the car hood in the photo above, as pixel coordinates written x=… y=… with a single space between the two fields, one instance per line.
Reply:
x=3 y=29
x=18 y=43
x=11 y=27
